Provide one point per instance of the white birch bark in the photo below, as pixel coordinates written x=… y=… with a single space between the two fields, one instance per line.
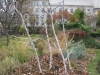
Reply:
x=64 y=34
x=50 y=48
x=33 y=46
x=58 y=44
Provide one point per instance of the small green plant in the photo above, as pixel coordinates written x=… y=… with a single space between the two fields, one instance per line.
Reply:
x=73 y=64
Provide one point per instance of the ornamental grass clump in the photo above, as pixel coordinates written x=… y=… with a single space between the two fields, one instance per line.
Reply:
x=78 y=52
x=20 y=51
x=40 y=48
x=7 y=65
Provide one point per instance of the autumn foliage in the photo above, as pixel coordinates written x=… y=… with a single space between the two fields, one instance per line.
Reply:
x=58 y=16
x=66 y=15
x=79 y=34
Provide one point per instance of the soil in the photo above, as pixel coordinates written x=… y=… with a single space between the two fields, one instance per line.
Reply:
x=31 y=68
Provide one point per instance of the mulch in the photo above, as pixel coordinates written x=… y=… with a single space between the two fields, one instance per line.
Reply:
x=31 y=67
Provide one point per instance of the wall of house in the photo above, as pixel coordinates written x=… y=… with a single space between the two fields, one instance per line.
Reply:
x=70 y=6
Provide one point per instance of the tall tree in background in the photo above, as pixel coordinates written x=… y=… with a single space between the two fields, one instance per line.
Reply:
x=78 y=15
x=7 y=16
x=19 y=4
x=32 y=20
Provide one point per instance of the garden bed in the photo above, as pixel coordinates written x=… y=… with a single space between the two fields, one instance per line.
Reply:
x=31 y=68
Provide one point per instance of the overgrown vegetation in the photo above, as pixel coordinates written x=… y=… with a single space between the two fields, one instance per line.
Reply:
x=91 y=43
x=13 y=55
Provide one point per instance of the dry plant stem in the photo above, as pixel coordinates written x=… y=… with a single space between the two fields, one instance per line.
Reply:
x=65 y=37
x=33 y=46
x=59 y=48
x=58 y=44
x=49 y=45
x=50 y=48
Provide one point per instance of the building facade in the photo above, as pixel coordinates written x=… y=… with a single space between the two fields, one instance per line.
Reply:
x=41 y=8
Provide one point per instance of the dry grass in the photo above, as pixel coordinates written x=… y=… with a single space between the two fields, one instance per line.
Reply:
x=53 y=41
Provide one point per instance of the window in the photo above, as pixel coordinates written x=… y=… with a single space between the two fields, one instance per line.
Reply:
x=43 y=3
x=37 y=23
x=66 y=9
x=48 y=9
x=60 y=9
x=88 y=9
x=37 y=16
x=35 y=3
x=43 y=10
x=71 y=10
x=42 y=23
x=36 y=10
x=54 y=10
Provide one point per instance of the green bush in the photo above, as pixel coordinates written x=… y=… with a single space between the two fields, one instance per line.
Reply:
x=85 y=28
x=72 y=25
x=95 y=34
x=69 y=25
x=91 y=43
x=22 y=30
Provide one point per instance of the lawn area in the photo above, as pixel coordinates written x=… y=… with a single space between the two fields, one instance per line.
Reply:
x=3 y=38
x=33 y=36
x=94 y=63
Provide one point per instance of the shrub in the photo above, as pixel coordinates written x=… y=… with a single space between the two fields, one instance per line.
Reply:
x=69 y=25
x=13 y=55
x=40 y=48
x=97 y=45
x=17 y=50
x=91 y=43
x=85 y=28
x=42 y=31
x=78 y=34
x=95 y=34
x=22 y=30
x=79 y=52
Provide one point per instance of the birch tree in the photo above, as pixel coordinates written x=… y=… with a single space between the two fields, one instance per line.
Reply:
x=30 y=39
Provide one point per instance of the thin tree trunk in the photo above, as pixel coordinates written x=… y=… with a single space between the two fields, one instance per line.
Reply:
x=32 y=44
x=7 y=39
